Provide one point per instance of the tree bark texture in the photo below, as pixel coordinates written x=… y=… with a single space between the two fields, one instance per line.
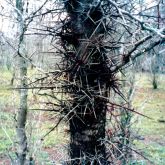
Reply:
x=22 y=112
x=82 y=33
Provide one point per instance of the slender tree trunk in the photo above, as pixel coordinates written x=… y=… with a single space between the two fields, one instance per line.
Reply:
x=13 y=78
x=154 y=80
x=125 y=120
x=155 y=69
x=22 y=112
x=83 y=33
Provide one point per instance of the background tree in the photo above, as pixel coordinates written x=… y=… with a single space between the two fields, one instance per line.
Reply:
x=22 y=112
x=18 y=43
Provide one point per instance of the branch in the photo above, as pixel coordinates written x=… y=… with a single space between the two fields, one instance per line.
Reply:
x=148 y=48
x=144 y=25
x=130 y=56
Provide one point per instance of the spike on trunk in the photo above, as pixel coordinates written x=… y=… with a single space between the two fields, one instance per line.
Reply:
x=86 y=66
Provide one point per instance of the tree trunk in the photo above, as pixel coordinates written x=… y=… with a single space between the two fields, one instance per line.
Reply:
x=22 y=112
x=87 y=135
x=83 y=32
x=22 y=115
x=87 y=126
x=154 y=80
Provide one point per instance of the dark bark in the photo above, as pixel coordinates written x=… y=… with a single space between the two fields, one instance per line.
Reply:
x=154 y=81
x=86 y=137
x=83 y=31
x=87 y=127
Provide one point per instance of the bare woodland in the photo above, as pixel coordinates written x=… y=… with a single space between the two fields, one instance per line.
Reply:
x=82 y=53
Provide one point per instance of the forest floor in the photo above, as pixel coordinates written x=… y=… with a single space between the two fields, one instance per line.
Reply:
x=150 y=102
x=54 y=146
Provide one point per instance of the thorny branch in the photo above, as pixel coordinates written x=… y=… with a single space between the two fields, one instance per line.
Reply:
x=126 y=36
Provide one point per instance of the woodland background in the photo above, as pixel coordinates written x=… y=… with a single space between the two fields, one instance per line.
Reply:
x=29 y=52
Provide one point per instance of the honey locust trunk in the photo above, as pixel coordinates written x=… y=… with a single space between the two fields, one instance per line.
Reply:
x=86 y=62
